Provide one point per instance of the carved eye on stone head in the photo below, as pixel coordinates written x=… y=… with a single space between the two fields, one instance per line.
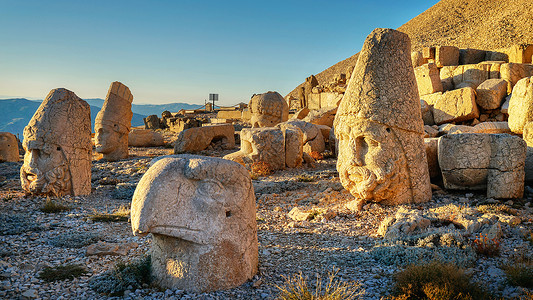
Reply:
x=211 y=189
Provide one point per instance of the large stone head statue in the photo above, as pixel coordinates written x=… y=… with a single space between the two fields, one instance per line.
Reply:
x=9 y=147
x=379 y=125
x=113 y=123
x=58 y=147
x=268 y=109
x=201 y=212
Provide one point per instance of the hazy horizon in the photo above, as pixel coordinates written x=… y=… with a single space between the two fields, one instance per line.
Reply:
x=168 y=52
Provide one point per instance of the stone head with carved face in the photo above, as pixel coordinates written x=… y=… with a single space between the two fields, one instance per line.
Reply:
x=201 y=212
x=9 y=147
x=379 y=126
x=268 y=109
x=113 y=123
x=57 y=144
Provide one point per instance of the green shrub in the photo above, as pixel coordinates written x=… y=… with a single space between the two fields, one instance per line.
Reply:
x=487 y=247
x=435 y=281
x=50 y=206
x=123 y=276
x=62 y=272
x=297 y=288
x=520 y=274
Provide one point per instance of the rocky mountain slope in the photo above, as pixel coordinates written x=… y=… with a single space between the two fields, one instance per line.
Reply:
x=482 y=24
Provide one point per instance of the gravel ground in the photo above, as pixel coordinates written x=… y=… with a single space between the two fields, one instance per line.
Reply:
x=331 y=238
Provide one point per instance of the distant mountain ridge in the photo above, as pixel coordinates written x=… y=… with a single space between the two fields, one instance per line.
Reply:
x=17 y=112
x=149 y=109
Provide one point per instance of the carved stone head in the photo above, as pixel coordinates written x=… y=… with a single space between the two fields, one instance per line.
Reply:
x=58 y=146
x=9 y=147
x=379 y=125
x=268 y=109
x=201 y=212
x=113 y=123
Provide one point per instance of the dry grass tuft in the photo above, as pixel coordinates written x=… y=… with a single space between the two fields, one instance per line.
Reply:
x=50 y=206
x=435 y=281
x=261 y=168
x=297 y=288
x=520 y=273
x=62 y=272
x=121 y=214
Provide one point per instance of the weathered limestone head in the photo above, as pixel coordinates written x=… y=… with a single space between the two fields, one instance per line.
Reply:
x=268 y=109
x=58 y=147
x=113 y=123
x=201 y=212
x=9 y=147
x=379 y=125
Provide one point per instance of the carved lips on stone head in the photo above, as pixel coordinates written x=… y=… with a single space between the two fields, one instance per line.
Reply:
x=379 y=125
x=57 y=142
x=201 y=212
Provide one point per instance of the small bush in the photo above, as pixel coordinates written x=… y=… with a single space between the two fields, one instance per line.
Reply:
x=520 y=275
x=62 y=272
x=305 y=178
x=121 y=214
x=487 y=247
x=123 y=276
x=435 y=281
x=50 y=206
x=316 y=155
x=297 y=288
x=261 y=168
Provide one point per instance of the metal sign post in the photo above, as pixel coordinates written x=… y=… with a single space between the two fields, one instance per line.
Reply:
x=213 y=98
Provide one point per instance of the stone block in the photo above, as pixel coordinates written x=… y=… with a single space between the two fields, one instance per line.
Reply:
x=505 y=106
x=492 y=127
x=496 y=56
x=418 y=59
x=446 y=77
x=294 y=140
x=470 y=75
x=323 y=116
x=427 y=113
x=520 y=53
x=431 y=99
x=513 y=72
x=314 y=101
x=428 y=52
x=446 y=56
x=471 y=56
x=521 y=105
x=490 y=93
x=428 y=79
x=476 y=161
x=199 y=138
x=145 y=138
x=229 y=114
x=455 y=106
x=265 y=144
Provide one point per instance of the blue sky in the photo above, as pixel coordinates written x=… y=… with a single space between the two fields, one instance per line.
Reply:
x=180 y=51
